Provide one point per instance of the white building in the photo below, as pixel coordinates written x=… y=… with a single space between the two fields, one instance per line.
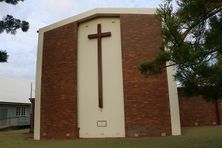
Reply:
x=15 y=107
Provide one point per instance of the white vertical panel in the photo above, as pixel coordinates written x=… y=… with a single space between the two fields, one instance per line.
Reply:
x=174 y=104
x=88 y=111
x=38 y=88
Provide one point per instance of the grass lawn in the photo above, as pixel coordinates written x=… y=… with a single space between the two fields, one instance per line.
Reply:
x=199 y=137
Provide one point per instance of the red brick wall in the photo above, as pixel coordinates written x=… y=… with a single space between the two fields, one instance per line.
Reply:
x=219 y=105
x=146 y=99
x=59 y=84
x=32 y=100
x=195 y=111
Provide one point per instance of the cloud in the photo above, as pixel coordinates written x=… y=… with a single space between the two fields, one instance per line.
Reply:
x=55 y=9
x=22 y=47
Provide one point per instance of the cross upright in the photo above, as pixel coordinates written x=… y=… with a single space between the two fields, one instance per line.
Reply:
x=99 y=35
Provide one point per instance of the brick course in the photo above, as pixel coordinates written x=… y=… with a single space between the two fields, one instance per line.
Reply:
x=146 y=99
x=59 y=84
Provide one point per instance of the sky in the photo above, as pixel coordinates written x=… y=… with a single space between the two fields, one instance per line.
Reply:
x=14 y=90
x=22 y=47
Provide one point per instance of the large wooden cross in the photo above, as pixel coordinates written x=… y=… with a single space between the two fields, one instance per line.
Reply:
x=99 y=35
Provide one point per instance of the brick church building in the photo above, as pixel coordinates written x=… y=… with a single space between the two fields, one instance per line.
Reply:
x=88 y=84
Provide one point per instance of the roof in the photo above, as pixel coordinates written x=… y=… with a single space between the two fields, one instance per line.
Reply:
x=14 y=90
x=14 y=103
x=99 y=12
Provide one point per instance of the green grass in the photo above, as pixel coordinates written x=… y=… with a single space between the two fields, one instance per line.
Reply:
x=199 y=137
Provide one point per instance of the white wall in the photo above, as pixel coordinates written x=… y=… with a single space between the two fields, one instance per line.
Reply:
x=38 y=88
x=173 y=100
x=88 y=111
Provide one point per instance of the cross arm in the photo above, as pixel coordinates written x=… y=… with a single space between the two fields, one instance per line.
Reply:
x=93 y=36
x=106 y=34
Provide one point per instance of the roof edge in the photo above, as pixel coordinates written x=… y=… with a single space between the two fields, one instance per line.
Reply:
x=98 y=12
x=18 y=103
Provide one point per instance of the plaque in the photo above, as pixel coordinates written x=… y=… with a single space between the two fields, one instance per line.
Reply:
x=102 y=123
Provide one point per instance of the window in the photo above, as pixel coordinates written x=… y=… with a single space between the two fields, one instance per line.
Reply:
x=20 y=111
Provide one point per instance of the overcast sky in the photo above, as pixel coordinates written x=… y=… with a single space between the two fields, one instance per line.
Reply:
x=22 y=47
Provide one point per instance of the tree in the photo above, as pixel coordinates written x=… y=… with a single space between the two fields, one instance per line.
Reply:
x=9 y=24
x=192 y=42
